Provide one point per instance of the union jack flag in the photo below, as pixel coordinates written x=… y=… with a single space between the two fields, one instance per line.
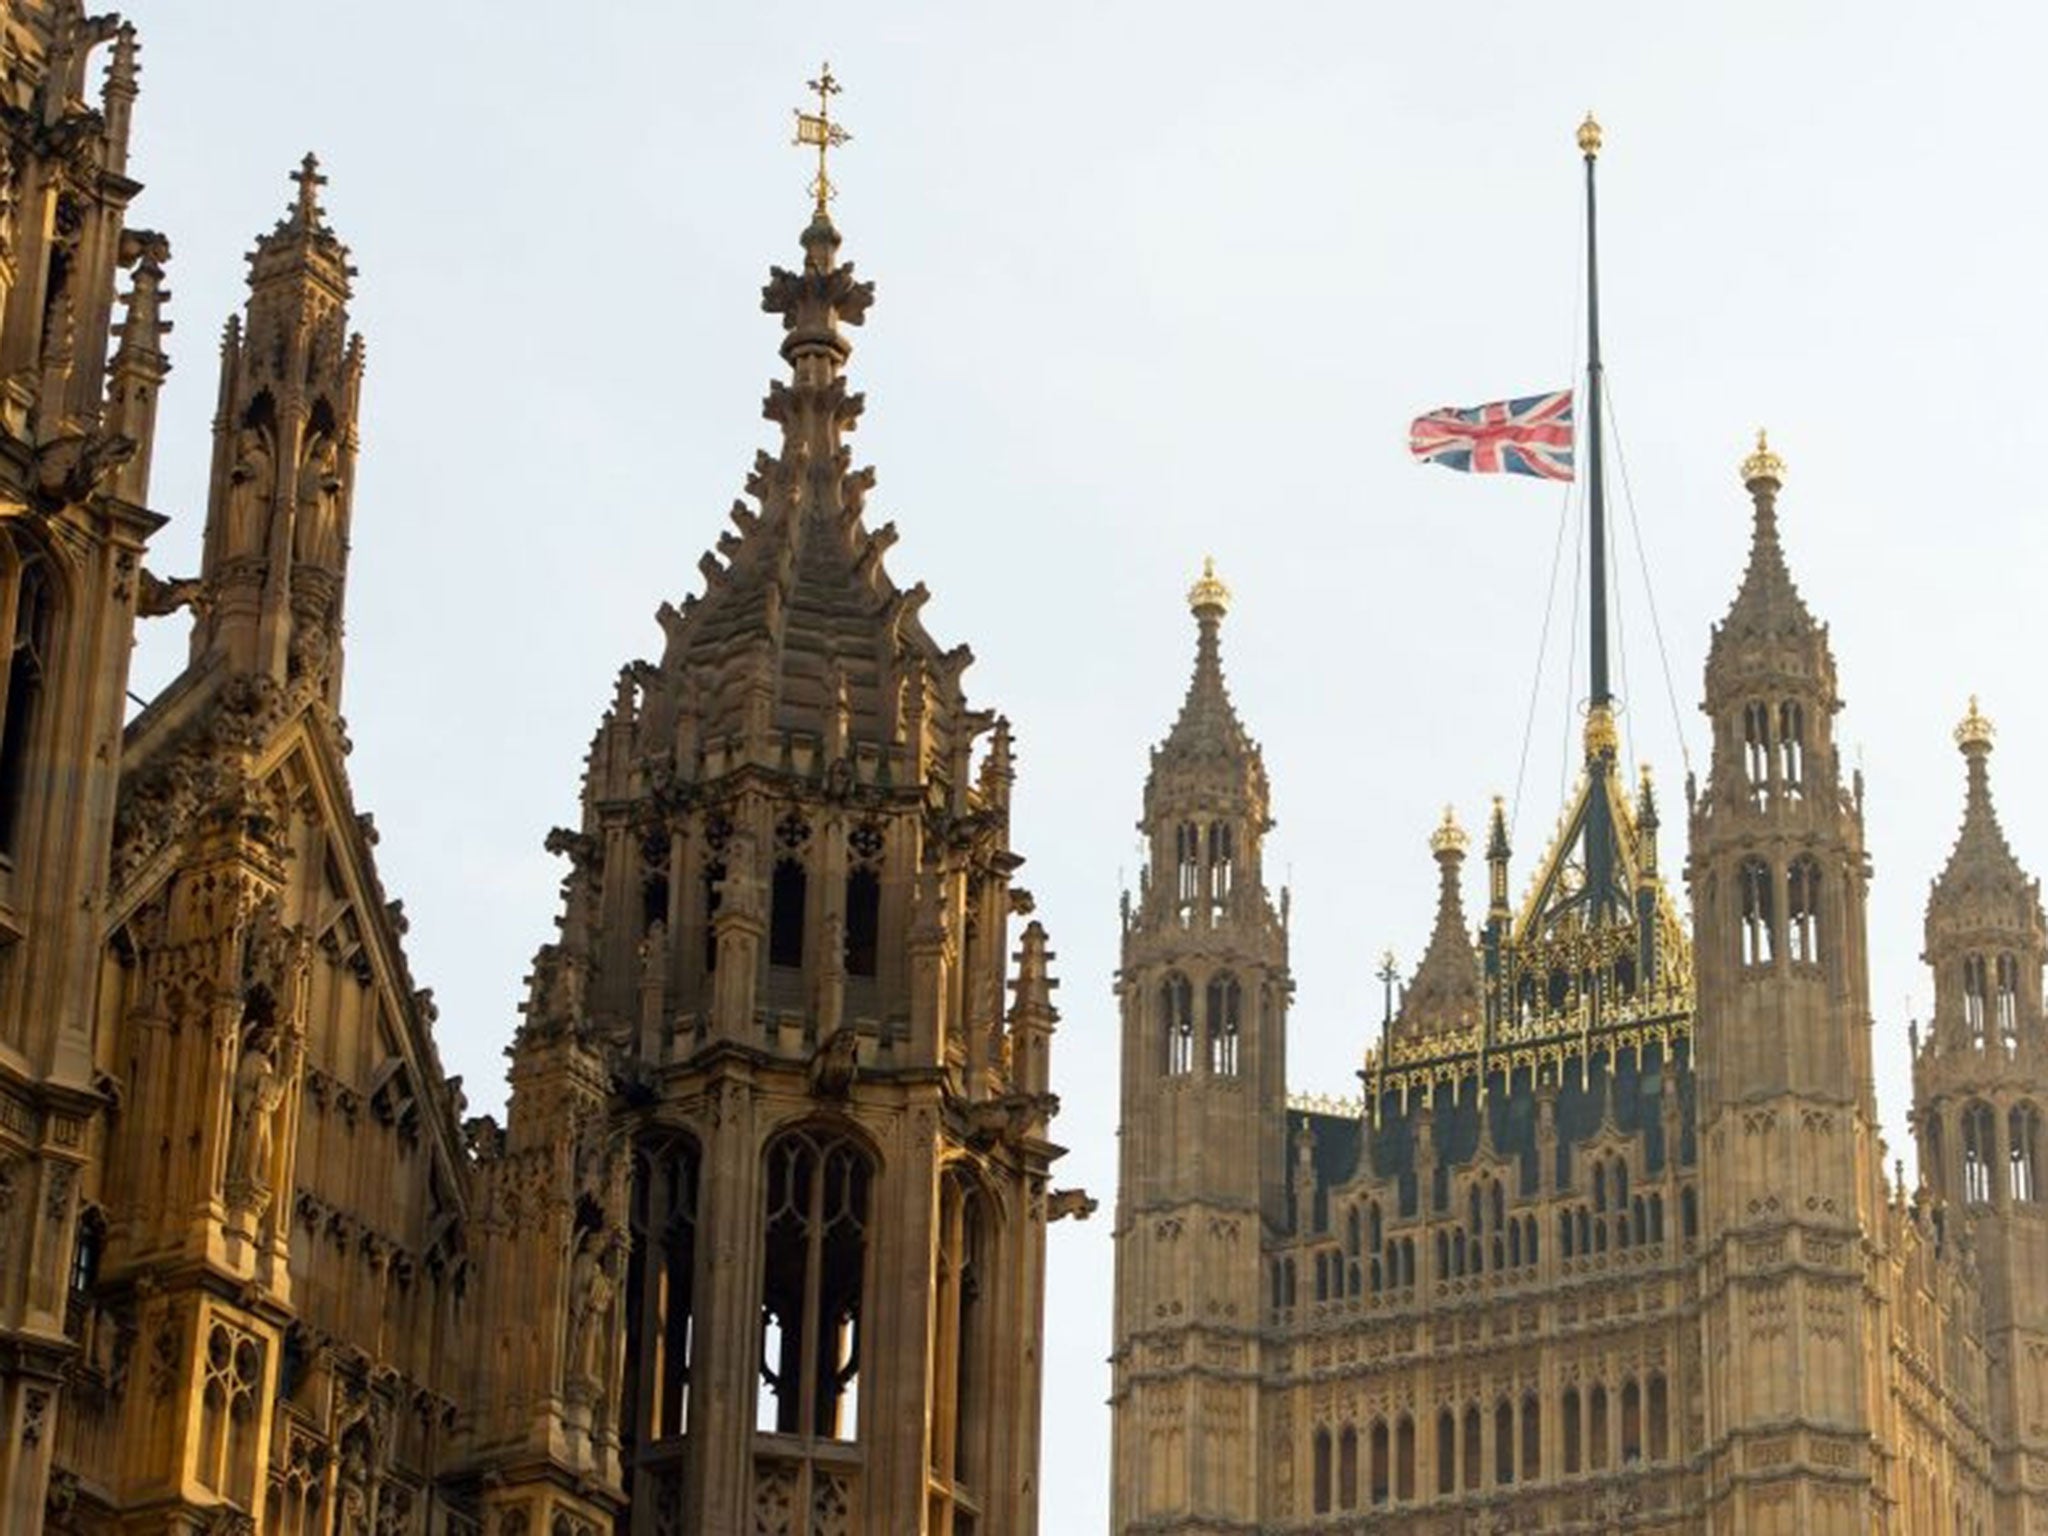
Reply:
x=1528 y=436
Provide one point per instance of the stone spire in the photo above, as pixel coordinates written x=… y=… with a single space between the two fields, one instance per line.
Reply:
x=1444 y=996
x=1767 y=605
x=1208 y=726
x=1982 y=880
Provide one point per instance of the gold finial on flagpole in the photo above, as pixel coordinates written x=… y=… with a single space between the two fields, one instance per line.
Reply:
x=1589 y=137
x=818 y=128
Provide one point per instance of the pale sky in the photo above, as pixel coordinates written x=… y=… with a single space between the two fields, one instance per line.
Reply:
x=1154 y=280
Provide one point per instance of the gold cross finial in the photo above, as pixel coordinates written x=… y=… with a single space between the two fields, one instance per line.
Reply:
x=819 y=129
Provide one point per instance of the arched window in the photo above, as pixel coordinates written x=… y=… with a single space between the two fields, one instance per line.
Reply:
x=27 y=614
x=1322 y=1472
x=1792 y=748
x=1187 y=855
x=1503 y=1443
x=786 y=914
x=1347 y=1469
x=1573 y=1428
x=1631 y=1423
x=1473 y=1466
x=2008 y=1004
x=1660 y=1419
x=1221 y=851
x=660 y=1282
x=1596 y=1428
x=813 y=1275
x=1446 y=1452
x=1973 y=997
x=960 y=1331
x=1802 y=911
x=1978 y=1134
x=863 y=921
x=1404 y=1459
x=1225 y=1001
x=1177 y=1013
x=1756 y=743
x=1759 y=933
x=1532 y=1438
x=2023 y=1140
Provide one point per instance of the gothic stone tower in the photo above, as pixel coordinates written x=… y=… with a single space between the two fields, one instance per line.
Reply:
x=1791 y=1157
x=1203 y=987
x=76 y=433
x=793 y=1135
x=1980 y=1089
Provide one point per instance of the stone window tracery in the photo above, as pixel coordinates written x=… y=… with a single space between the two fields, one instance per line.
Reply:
x=1222 y=858
x=229 y=1403
x=654 y=1387
x=1974 y=991
x=1756 y=742
x=2008 y=1000
x=818 y=1187
x=960 y=1342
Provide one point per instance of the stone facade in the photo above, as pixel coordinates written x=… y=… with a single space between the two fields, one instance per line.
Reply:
x=1607 y=1244
x=761 y=1243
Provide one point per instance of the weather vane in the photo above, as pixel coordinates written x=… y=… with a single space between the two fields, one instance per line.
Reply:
x=818 y=128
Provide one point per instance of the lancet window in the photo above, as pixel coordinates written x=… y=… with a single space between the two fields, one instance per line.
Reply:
x=1187 y=858
x=1222 y=857
x=1446 y=1452
x=863 y=921
x=654 y=1390
x=1404 y=1459
x=1758 y=931
x=1503 y=1443
x=2023 y=1144
x=2007 y=1000
x=813 y=1278
x=1347 y=1468
x=1321 y=1471
x=1574 y=1431
x=1532 y=1437
x=1974 y=997
x=1379 y=1486
x=960 y=1342
x=1177 y=1016
x=1979 y=1133
x=786 y=900
x=1756 y=742
x=1225 y=1000
x=1802 y=911
x=27 y=615
x=1792 y=749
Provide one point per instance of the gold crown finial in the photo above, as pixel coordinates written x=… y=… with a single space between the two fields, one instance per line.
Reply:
x=1589 y=137
x=1603 y=736
x=1763 y=464
x=1448 y=837
x=1975 y=732
x=1208 y=593
x=818 y=129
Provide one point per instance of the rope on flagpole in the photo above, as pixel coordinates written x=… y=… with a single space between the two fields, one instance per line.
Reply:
x=1628 y=497
x=1564 y=509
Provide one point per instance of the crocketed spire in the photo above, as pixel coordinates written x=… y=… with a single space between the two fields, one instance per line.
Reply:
x=1208 y=725
x=800 y=630
x=1444 y=997
x=1981 y=874
x=1768 y=604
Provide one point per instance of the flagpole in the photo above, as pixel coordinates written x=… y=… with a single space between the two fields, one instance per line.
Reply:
x=1601 y=739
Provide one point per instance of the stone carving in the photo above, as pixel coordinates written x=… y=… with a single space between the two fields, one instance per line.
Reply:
x=261 y=1082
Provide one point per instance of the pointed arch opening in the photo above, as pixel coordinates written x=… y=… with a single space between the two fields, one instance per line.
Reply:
x=1979 y=1153
x=1321 y=1472
x=1574 y=1456
x=1792 y=749
x=1754 y=918
x=1756 y=751
x=660 y=1288
x=787 y=898
x=1177 y=1017
x=1225 y=1003
x=2023 y=1142
x=1975 y=993
x=863 y=921
x=818 y=1187
x=1446 y=1452
x=2006 y=1001
x=1802 y=911
x=1347 y=1468
x=1503 y=1443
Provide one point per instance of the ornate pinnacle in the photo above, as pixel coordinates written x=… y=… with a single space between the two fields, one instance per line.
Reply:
x=1589 y=137
x=1975 y=732
x=818 y=129
x=1208 y=593
x=1763 y=464
x=1603 y=738
x=1449 y=837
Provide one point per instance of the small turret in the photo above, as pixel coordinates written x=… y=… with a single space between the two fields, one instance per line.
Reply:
x=1444 y=996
